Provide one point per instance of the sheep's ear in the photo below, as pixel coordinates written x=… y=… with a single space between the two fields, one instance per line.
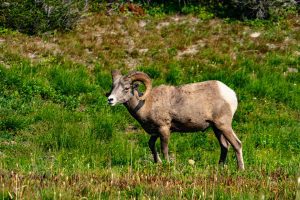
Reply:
x=116 y=74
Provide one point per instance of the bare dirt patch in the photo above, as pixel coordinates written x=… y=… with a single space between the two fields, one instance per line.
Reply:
x=191 y=50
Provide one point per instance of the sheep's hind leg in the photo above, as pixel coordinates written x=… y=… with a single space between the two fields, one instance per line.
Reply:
x=235 y=142
x=153 y=150
x=223 y=144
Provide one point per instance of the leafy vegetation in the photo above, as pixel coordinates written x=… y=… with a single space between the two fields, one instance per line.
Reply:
x=60 y=139
x=33 y=17
x=39 y=16
x=237 y=9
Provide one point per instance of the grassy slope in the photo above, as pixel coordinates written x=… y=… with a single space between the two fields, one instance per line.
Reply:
x=60 y=139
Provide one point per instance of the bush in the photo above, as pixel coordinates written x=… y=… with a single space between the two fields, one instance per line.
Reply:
x=38 y=16
x=240 y=9
x=254 y=9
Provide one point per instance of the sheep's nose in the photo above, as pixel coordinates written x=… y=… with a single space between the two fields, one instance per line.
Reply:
x=111 y=100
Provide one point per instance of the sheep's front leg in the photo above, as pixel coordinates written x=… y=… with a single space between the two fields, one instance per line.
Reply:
x=152 y=148
x=164 y=141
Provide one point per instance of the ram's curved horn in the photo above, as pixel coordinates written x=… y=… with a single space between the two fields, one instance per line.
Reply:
x=144 y=78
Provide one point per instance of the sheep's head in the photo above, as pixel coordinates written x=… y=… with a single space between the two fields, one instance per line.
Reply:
x=123 y=86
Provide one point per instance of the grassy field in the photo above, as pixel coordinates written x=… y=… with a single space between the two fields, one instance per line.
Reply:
x=60 y=140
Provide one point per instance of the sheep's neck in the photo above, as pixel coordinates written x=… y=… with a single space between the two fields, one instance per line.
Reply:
x=134 y=105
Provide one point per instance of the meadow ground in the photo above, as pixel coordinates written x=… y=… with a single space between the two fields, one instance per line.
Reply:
x=60 y=140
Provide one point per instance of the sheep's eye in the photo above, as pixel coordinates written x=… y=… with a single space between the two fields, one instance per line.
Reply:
x=126 y=88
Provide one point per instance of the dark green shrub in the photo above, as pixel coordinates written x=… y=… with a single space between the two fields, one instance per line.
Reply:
x=240 y=9
x=38 y=16
x=253 y=9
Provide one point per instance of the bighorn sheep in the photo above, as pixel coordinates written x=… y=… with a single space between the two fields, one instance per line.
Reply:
x=187 y=108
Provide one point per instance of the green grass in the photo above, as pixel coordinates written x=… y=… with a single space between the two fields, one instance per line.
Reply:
x=60 y=140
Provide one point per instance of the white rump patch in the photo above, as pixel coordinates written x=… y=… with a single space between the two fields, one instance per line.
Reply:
x=228 y=95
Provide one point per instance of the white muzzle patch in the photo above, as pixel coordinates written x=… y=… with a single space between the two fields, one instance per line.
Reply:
x=112 y=100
